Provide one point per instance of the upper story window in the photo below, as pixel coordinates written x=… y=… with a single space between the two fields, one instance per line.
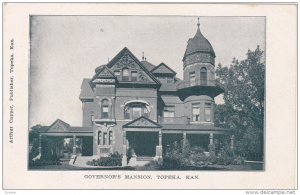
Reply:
x=135 y=110
x=134 y=76
x=169 y=112
x=203 y=76
x=125 y=74
x=192 y=78
x=207 y=112
x=104 y=108
x=117 y=73
x=196 y=112
x=170 y=80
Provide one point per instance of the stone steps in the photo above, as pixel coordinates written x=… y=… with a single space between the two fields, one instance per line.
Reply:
x=144 y=158
x=82 y=160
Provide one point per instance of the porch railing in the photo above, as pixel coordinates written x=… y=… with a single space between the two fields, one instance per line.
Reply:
x=199 y=82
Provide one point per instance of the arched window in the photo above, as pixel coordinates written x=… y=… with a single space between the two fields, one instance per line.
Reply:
x=110 y=138
x=99 y=137
x=135 y=110
x=104 y=108
x=125 y=74
x=203 y=76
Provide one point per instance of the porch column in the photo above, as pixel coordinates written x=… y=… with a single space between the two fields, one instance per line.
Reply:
x=124 y=158
x=158 y=152
x=211 y=138
x=40 y=144
x=184 y=139
x=160 y=138
x=74 y=144
x=232 y=142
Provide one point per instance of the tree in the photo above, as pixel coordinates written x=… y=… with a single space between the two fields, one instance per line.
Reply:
x=244 y=98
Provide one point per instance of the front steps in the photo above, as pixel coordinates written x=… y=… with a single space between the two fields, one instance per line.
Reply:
x=82 y=160
x=143 y=160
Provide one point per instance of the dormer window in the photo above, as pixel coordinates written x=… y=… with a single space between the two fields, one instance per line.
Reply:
x=104 y=109
x=125 y=74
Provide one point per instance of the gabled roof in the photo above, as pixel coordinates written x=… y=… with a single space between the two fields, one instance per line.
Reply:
x=148 y=65
x=162 y=68
x=58 y=126
x=86 y=90
x=142 y=122
x=126 y=50
x=103 y=72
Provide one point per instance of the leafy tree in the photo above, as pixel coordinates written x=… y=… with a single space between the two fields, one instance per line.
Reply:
x=243 y=108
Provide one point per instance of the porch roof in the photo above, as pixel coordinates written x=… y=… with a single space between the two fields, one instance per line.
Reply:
x=194 y=127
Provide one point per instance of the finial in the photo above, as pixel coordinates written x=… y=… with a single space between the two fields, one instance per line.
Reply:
x=107 y=59
x=198 y=24
x=143 y=58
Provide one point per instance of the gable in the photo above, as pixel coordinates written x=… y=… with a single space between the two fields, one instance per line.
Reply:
x=104 y=75
x=59 y=126
x=142 y=122
x=125 y=59
x=163 y=69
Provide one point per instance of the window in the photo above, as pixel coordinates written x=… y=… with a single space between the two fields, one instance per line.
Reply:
x=134 y=76
x=196 y=112
x=169 y=113
x=207 y=114
x=192 y=78
x=203 y=76
x=105 y=138
x=99 y=137
x=104 y=109
x=110 y=138
x=117 y=73
x=136 y=112
x=92 y=118
x=125 y=74
x=170 y=80
x=127 y=113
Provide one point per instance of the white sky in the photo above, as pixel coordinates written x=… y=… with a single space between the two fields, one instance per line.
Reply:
x=66 y=49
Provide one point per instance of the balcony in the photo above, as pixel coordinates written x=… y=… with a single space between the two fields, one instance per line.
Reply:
x=174 y=120
x=200 y=82
x=200 y=87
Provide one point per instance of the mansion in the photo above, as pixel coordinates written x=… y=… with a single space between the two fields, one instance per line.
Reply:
x=132 y=104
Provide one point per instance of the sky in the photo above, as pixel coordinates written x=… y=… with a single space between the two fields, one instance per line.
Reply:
x=66 y=49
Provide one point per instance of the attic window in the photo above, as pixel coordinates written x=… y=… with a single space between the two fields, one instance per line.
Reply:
x=134 y=76
x=170 y=80
x=125 y=74
x=117 y=73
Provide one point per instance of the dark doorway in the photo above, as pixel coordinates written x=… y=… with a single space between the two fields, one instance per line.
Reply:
x=143 y=143
x=87 y=146
x=201 y=140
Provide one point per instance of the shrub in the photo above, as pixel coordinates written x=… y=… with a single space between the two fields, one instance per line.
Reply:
x=114 y=159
